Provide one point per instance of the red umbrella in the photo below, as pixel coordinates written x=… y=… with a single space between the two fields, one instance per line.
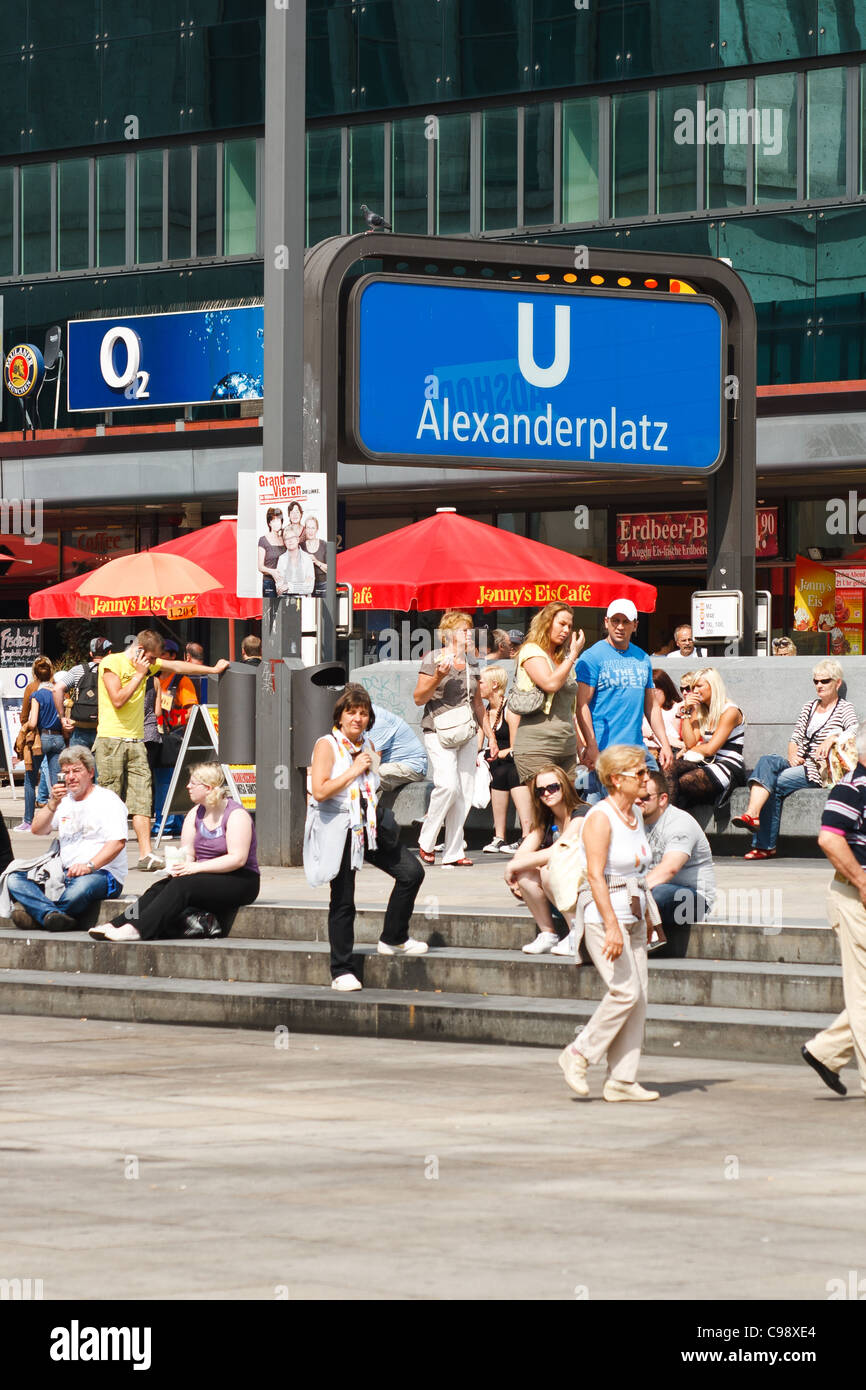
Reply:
x=449 y=561
x=213 y=548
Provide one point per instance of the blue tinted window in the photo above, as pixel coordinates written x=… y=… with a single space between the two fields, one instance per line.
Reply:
x=580 y=160
x=499 y=169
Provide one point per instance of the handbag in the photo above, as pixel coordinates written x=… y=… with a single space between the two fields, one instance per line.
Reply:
x=481 y=785
x=525 y=699
x=566 y=867
x=841 y=759
x=456 y=726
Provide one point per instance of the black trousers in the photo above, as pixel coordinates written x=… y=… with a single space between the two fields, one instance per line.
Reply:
x=408 y=875
x=157 y=912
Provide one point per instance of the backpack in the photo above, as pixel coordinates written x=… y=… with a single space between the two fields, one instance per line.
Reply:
x=85 y=703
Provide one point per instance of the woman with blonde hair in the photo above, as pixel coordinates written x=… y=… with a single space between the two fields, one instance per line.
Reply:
x=219 y=874
x=544 y=681
x=775 y=777
x=453 y=712
x=713 y=730
x=618 y=911
x=505 y=784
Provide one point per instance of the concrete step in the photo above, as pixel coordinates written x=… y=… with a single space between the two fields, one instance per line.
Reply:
x=508 y=931
x=446 y=970
x=742 y=1034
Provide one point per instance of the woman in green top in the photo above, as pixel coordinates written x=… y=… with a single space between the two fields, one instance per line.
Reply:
x=546 y=660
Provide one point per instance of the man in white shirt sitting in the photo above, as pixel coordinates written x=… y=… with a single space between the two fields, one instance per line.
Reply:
x=91 y=826
x=682 y=878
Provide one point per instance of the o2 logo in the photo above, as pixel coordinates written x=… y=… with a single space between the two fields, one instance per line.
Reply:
x=131 y=380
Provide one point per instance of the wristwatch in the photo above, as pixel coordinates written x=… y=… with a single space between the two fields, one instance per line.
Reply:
x=91 y=866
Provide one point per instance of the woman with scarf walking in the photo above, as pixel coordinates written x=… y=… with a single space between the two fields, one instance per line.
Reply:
x=344 y=827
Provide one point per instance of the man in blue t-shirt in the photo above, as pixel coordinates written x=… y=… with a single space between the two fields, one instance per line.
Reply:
x=403 y=756
x=614 y=692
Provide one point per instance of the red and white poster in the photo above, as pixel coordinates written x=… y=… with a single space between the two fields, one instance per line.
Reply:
x=282 y=521
x=643 y=537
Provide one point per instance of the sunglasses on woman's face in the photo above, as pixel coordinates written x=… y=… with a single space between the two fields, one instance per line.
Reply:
x=547 y=788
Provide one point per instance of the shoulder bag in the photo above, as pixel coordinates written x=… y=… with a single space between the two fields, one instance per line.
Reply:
x=566 y=867
x=456 y=726
x=525 y=696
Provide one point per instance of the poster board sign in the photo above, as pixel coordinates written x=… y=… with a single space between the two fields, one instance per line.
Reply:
x=20 y=644
x=286 y=516
x=200 y=745
x=10 y=723
x=717 y=614
x=846 y=638
x=642 y=537
x=814 y=597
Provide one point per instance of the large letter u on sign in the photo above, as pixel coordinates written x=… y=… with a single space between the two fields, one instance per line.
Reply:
x=558 y=370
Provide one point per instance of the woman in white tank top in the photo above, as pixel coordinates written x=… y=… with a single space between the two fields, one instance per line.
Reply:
x=618 y=911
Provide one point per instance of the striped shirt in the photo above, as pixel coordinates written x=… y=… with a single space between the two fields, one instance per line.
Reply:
x=842 y=716
x=845 y=811
x=727 y=766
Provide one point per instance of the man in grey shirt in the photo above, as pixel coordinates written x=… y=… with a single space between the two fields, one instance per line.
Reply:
x=682 y=877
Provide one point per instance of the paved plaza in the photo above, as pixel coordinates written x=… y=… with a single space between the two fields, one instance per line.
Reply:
x=144 y=1161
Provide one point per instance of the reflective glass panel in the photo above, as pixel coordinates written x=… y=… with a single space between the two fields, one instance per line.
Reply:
x=538 y=165
x=52 y=25
x=580 y=160
x=206 y=200
x=225 y=74
x=565 y=44
x=409 y=154
x=399 y=52
x=73 y=205
x=63 y=97
x=179 y=204
x=323 y=184
x=332 y=60
x=493 y=41
x=668 y=36
x=825 y=126
x=366 y=172
x=148 y=206
x=630 y=154
x=6 y=178
x=841 y=27
x=766 y=31
x=499 y=169
x=239 y=197
x=111 y=210
x=452 y=175
x=145 y=77
x=35 y=218
x=775 y=255
x=13 y=101
x=840 y=340
x=776 y=158
x=726 y=158
x=677 y=138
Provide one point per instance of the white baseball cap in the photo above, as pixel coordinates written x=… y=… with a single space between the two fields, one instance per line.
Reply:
x=623 y=606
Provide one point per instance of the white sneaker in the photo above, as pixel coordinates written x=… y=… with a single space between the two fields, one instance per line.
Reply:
x=574 y=1067
x=545 y=941
x=496 y=844
x=565 y=947
x=346 y=982
x=125 y=932
x=410 y=947
x=627 y=1090
x=512 y=848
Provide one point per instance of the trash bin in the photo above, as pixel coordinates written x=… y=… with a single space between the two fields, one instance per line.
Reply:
x=314 y=693
x=236 y=701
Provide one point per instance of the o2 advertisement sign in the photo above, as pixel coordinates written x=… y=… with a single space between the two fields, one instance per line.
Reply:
x=519 y=375
x=190 y=358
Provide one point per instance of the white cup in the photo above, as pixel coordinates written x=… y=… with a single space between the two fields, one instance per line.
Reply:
x=176 y=854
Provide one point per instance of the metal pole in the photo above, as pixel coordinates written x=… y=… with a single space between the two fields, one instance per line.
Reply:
x=280 y=801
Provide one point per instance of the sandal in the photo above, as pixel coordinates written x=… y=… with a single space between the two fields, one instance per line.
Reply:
x=746 y=821
x=760 y=854
x=425 y=856
x=459 y=864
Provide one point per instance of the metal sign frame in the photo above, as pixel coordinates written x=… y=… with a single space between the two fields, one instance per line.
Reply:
x=331 y=267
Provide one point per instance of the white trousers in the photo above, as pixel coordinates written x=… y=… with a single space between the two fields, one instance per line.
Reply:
x=616 y=1028
x=452 y=772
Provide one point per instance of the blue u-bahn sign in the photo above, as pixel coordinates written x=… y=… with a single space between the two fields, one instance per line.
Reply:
x=517 y=374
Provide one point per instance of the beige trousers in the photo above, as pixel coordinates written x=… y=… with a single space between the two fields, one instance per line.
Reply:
x=616 y=1028
x=846 y=1036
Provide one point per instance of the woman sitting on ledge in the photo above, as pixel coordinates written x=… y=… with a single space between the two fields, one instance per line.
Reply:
x=713 y=729
x=220 y=874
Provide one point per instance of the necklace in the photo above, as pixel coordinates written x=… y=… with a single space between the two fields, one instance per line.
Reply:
x=631 y=823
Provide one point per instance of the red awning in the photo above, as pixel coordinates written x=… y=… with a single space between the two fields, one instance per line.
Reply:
x=450 y=561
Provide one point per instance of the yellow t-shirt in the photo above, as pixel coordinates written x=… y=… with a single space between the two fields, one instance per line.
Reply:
x=128 y=721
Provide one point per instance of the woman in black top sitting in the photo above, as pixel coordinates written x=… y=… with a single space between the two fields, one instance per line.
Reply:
x=554 y=803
